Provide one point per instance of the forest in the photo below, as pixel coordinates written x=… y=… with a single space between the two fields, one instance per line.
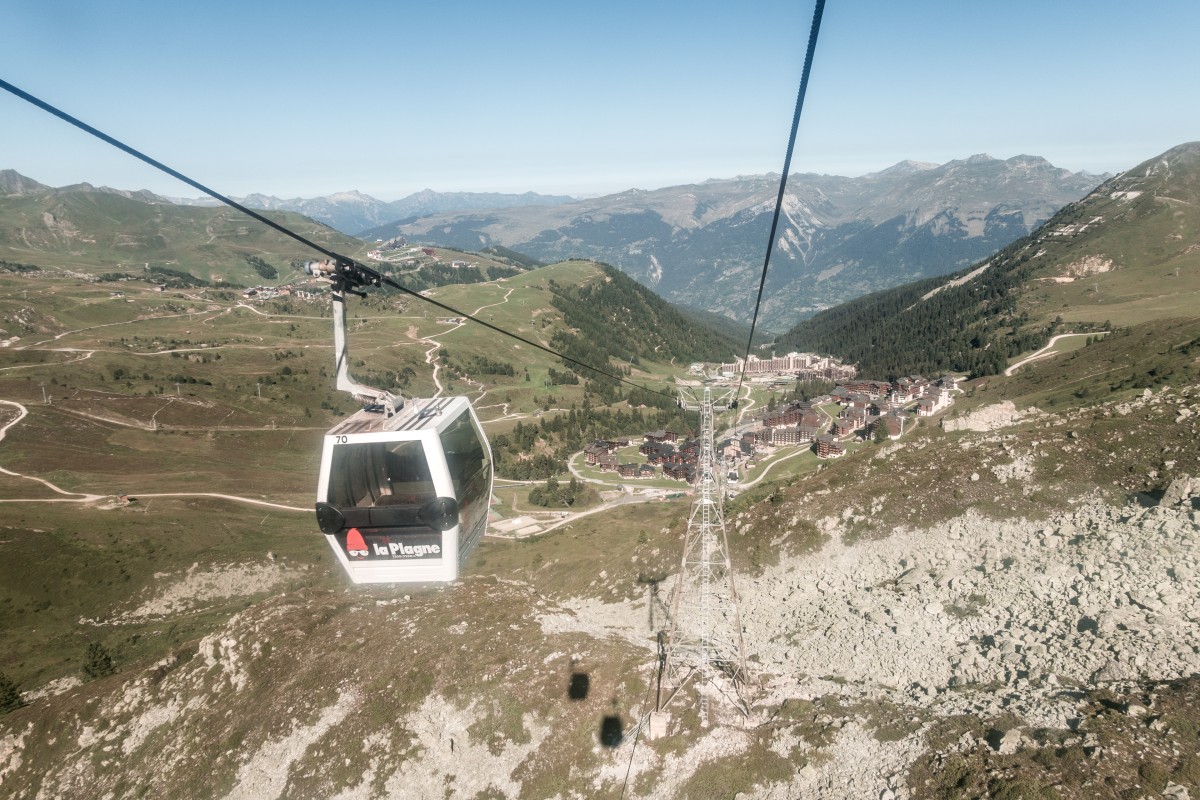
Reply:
x=973 y=328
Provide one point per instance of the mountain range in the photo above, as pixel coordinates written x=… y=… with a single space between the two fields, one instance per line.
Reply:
x=347 y=212
x=1125 y=254
x=354 y=212
x=702 y=245
x=104 y=230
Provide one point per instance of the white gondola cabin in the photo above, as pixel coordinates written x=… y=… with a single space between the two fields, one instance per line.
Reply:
x=405 y=484
x=405 y=498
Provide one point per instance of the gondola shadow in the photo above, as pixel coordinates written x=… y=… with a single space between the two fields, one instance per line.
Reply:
x=579 y=685
x=611 y=731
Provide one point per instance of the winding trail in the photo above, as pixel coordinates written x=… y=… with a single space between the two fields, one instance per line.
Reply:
x=72 y=497
x=84 y=497
x=1045 y=352
x=436 y=345
x=766 y=470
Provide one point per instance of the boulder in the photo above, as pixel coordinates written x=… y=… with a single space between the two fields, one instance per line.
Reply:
x=1180 y=491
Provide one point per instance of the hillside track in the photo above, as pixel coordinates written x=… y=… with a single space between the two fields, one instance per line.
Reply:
x=1045 y=352
x=84 y=497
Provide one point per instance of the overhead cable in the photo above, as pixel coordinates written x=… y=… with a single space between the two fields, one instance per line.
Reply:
x=787 y=163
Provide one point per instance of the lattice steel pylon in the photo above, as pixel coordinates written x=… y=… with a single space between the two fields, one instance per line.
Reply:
x=704 y=645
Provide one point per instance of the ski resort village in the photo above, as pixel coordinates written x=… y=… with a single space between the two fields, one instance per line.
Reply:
x=845 y=410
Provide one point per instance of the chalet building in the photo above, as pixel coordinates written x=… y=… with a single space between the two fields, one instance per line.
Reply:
x=690 y=450
x=829 y=447
x=935 y=399
x=810 y=419
x=647 y=471
x=850 y=420
x=660 y=436
x=628 y=470
x=593 y=451
x=746 y=444
x=872 y=389
x=680 y=472
x=673 y=457
x=599 y=447
x=657 y=452
x=808 y=432
x=781 y=419
x=843 y=426
x=902 y=392
x=796 y=435
x=608 y=462
x=591 y=454
x=858 y=400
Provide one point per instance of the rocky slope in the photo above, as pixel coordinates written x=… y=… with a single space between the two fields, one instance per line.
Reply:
x=964 y=651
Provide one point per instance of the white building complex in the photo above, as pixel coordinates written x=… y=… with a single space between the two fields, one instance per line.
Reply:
x=799 y=364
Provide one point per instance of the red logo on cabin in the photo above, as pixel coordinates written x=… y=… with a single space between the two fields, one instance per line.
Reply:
x=356 y=547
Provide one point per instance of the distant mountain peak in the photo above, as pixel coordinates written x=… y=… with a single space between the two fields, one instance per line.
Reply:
x=13 y=182
x=980 y=158
x=905 y=167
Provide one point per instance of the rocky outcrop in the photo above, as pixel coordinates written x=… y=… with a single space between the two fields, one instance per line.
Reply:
x=988 y=418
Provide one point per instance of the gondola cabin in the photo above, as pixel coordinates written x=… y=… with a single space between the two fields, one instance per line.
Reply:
x=404 y=499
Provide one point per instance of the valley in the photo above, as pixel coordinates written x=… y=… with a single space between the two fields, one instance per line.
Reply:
x=1001 y=602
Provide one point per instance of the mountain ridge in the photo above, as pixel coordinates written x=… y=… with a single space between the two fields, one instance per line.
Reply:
x=1126 y=253
x=700 y=244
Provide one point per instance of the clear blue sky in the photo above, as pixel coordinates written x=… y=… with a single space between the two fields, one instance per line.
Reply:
x=305 y=98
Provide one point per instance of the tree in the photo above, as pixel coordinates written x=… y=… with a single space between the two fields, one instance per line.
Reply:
x=99 y=663
x=10 y=696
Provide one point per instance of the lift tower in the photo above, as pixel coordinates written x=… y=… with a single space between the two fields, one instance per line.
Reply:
x=704 y=645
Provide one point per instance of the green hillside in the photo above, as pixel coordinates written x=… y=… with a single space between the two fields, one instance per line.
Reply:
x=1125 y=254
x=100 y=232
x=614 y=318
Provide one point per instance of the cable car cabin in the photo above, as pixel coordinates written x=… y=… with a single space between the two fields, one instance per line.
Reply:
x=405 y=499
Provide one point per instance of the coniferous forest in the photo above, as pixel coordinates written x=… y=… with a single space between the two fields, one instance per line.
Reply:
x=973 y=328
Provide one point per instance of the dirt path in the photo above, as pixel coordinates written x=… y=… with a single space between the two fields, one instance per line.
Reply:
x=83 y=497
x=436 y=345
x=76 y=497
x=1045 y=352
